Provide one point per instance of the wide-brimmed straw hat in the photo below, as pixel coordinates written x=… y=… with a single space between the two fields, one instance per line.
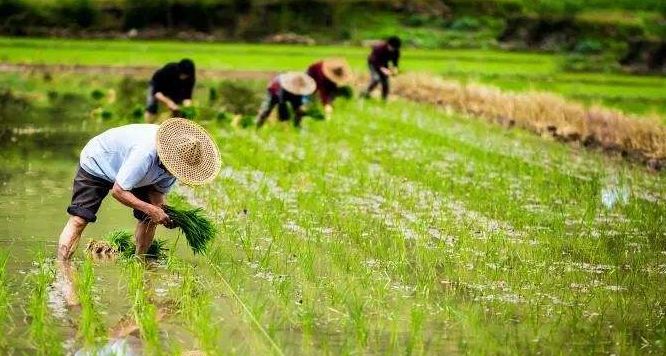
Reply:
x=187 y=151
x=297 y=83
x=337 y=70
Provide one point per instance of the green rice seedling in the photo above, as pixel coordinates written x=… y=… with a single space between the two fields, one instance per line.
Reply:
x=145 y=312
x=198 y=229
x=195 y=306
x=157 y=249
x=315 y=113
x=122 y=241
x=91 y=326
x=42 y=330
x=345 y=92
x=4 y=300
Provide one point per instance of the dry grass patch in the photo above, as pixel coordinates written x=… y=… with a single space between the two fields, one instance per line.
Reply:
x=545 y=114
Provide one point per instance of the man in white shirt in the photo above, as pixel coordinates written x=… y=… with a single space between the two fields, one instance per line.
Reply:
x=138 y=163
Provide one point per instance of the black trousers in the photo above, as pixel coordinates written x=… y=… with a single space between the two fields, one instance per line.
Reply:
x=376 y=78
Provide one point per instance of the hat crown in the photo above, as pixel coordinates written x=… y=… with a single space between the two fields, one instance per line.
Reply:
x=190 y=150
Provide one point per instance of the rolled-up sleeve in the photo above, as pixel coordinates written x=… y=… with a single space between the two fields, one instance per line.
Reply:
x=134 y=169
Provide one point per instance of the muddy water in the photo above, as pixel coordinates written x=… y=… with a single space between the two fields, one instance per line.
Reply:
x=34 y=193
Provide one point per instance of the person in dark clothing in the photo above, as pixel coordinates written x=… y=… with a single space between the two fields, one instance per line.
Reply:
x=172 y=85
x=381 y=58
x=283 y=90
x=330 y=75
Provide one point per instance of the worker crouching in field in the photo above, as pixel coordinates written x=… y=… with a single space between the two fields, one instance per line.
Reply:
x=138 y=163
x=330 y=75
x=171 y=85
x=379 y=63
x=283 y=90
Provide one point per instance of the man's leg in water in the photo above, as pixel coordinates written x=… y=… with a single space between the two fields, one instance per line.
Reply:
x=145 y=228
x=69 y=237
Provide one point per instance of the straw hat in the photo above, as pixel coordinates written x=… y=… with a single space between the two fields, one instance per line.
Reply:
x=337 y=70
x=297 y=83
x=187 y=151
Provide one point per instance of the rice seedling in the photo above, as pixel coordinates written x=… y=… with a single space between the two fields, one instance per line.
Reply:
x=143 y=310
x=195 y=307
x=43 y=333
x=198 y=229
x=5 y=301
x=121 y=243
x=91 y=329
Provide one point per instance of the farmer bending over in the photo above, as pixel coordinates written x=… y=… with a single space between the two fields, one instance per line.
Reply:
x=330 y=75
x=286 y=88
x=382 y=55
x=172 y=85
x=138 y=163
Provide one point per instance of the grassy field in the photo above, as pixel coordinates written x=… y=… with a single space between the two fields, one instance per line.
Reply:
x=393 y=228
x=642 y=95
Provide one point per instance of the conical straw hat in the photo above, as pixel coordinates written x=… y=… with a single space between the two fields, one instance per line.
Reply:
x=187 y=151
x=337 y=70
x=297 y=83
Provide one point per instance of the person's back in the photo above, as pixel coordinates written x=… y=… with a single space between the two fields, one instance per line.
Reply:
x=105 y=155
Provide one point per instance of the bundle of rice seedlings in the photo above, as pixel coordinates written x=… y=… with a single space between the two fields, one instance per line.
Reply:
x=315 y=113
x=157 y=249
x=198 y=229
x=345 y=92
x=122 y=241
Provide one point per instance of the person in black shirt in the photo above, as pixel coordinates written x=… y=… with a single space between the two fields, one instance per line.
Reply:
x=172 y=85
x=383 y=54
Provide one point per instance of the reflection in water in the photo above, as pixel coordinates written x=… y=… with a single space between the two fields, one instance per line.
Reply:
x=614 y=192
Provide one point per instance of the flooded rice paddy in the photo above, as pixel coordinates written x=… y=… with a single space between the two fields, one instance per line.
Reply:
x=395 y=228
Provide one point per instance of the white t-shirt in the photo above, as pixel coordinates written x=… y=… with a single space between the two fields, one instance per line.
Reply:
x=127 y=155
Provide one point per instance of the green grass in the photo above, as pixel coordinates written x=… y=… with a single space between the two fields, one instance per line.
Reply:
x=394 y=228
x=509 y=70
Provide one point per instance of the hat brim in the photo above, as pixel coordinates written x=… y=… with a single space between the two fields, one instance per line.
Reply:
x=169 y=136
x=329 y=67
x=289 y=81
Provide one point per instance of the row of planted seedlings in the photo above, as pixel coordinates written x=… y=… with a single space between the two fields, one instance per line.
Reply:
x=596 y=255
x=527 y=267
x=367 y=240
x=285 y=249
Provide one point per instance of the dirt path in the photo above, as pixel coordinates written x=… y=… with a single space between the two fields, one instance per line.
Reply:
x=143 y=71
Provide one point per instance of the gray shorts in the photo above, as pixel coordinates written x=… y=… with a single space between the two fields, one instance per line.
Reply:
x=89 y=191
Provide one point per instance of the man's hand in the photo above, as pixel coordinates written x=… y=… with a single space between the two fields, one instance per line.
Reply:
x=158 y=216
x=187 y=102
x=385 y=70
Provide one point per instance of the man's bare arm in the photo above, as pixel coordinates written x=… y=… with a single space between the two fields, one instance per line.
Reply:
x=156 y=213
x=165 y=99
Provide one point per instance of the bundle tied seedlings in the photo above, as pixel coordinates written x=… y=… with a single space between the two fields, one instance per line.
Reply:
x=121 y=243
x=198 y=229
